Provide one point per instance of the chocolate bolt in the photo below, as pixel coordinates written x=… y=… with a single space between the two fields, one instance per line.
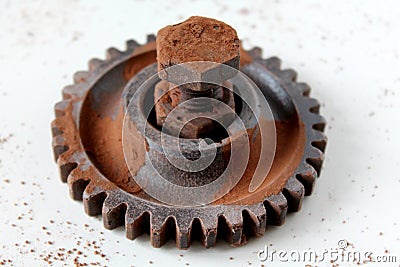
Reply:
x=194 y=55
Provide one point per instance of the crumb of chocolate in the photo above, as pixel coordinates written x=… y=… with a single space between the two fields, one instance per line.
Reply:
x=5 y=139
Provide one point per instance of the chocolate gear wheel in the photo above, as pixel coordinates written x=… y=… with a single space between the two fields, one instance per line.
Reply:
x=87 y=148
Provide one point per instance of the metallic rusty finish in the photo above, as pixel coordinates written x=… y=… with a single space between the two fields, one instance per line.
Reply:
x=139 y=213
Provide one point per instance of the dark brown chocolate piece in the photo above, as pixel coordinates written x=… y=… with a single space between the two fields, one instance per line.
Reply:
x=192 y=59
x=91 y=160
x=197 y=39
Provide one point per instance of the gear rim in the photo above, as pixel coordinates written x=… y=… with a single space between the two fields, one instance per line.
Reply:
x=119 y=207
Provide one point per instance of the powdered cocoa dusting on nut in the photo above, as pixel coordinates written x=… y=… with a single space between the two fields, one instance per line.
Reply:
x=197 y=39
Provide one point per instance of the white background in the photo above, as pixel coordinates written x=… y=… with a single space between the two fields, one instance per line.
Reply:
x=348 y=52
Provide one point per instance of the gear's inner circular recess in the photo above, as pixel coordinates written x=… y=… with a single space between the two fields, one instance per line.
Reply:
x=104 y=109
x=173 y=163
x=146 y=135
x=101 y=127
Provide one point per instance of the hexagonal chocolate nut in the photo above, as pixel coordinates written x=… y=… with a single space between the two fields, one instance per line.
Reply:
x=200 y=49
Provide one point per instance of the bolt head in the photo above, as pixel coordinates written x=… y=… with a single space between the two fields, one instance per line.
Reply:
x=198 y=50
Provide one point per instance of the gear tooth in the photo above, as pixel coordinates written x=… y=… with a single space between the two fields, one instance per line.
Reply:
x=131 y=215
x=131 y=44
x=237 y=237
x=65 y=166
x=80 y=76
x=261 y=214
x=184 y=236
x=315 y=153
x=224 y=229
x=319 y=141
x=77 y=184
x=55 y=129
x=315 y=159
x=136 y=224
x=77 y=188
x=210 y=238
x=254 y=221
x=195 y=231
x=112 y=52
x=210 y=233
x=304 y=88
x=294 y=193
x=307 y=178
x=150 y=38
x=230 y=228
x=198 y=229
x=113 y=212
x=162 y=229
x=318 y=122
x=313 y=105
x=288 y=75
x=276 y=207
x=183 y=241
x=255 y=52
x=66 y=169
x=61 y=107
x=273 y=63
x=93 y=198
x=59 y=140
x=71 y=91
x=94 y=63
x=59 y=146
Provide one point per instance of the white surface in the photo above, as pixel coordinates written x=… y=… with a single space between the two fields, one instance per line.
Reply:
x=347 y=51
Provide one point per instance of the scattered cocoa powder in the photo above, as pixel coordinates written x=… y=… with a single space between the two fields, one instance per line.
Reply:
x=5 y=139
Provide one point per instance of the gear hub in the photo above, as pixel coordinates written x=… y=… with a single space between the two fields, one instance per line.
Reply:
x=189 y=137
